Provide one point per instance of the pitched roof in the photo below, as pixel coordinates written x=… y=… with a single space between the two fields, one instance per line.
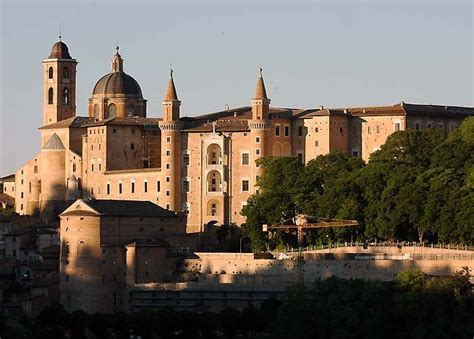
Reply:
x=128 y=208
x=6 y=178
x=128 y=121
x=74 y=122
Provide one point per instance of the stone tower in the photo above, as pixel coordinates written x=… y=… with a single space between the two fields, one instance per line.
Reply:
x=59 y=85
x=258 y=126
x=52 y=162
x=171 y=150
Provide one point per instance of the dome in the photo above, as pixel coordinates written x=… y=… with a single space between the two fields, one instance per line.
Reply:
x=117 y=83
x=59 y=51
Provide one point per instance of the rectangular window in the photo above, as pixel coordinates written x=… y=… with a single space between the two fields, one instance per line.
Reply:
x=185 y=186
x=133 y=187
x=168 y=206
x=168 y=140
x=417 y=126
x=168 y=166
x=168 y=153
x=168 y=179
x=316 y=129
x=168 y=193
x=287 y=131
x=21 y=194
x=114 y=130
x=245 y=158
x=145 y=186
x=257 y=140
x=277 y=130
x=378 y=129
x=132 y=146
x=92 y=167
x=92 y=147
x=257 y=151
x=368 y=129
x=158 y=186
x=92 y=190
x=213 y=209
x=396 y=126
x=245 y=185
x=300 y=131
x=120 y=188
x=108 y=188
x=355 y=153
x=316 y=143
x=186 y=159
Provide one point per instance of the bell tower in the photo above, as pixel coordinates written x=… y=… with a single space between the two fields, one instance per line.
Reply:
x=59 y=89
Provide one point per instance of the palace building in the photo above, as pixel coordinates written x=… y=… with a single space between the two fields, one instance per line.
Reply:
x=201 y=166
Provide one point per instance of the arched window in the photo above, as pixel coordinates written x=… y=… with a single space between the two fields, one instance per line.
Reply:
x=50 y=73
x=214 y=155
x=213 y=207
x=112 y=111
x=214 y=181
x=81 y=249
x=50 y=96
x=66 y=73
x=35 y=169
x=65 y=96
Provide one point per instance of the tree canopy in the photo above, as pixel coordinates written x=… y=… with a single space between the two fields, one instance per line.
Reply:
x=417 y=187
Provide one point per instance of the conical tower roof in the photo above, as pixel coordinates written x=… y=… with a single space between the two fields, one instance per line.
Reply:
x=54 y=143
x=171 y=94
x=260 y=92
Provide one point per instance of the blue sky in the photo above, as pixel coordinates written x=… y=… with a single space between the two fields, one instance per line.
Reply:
x=336 y=54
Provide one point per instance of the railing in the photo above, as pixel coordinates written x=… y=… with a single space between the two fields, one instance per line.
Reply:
x=457 y=247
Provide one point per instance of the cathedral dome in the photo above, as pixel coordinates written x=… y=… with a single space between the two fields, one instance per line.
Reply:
x=118 y=82
x=59 y=51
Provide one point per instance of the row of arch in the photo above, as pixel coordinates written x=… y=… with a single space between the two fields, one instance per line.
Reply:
x=65 y=96
x=66 y=75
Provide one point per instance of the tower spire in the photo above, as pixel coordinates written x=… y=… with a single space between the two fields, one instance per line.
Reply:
x=260 y=92
x=171 y=94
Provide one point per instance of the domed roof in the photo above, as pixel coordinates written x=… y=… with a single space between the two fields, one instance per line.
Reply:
x=59 y=51
x=118 y=83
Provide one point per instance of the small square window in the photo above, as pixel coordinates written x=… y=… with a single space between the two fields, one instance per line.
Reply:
x=300 y=131
x=168 y=179
x=168 y=166
x=168 y=193
x=257 y=151
x=257 y=140
x=168 y=153
x=168 y=140
x=132 y=146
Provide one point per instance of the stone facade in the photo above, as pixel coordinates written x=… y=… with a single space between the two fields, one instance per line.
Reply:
x=201 y=165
